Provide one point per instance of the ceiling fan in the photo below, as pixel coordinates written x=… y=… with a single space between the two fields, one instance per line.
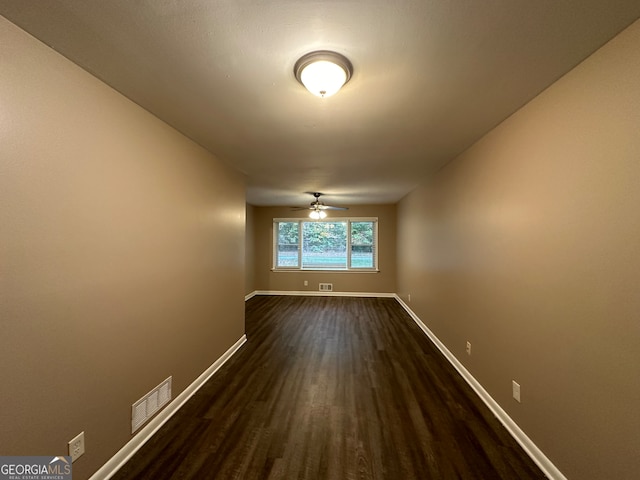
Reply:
x=318 y=207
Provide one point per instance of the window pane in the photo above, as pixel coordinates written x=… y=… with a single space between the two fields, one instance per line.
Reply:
x=362 y=248
x=338 y=244
x=324 y=245
x=288 y=244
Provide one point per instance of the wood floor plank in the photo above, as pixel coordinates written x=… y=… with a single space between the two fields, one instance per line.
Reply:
x=335 y=388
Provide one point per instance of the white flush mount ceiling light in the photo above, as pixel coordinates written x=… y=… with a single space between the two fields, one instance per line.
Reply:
x=323 y=73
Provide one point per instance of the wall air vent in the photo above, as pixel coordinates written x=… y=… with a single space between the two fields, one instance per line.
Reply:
x=150 y=404
x=326 y=287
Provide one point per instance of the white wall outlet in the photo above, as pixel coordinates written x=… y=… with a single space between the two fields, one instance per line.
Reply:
x=469 y=348
x=516 y=390
x=306 y=283
x=76 y=447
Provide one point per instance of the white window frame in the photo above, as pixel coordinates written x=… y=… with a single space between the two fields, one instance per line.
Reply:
x=348 y=268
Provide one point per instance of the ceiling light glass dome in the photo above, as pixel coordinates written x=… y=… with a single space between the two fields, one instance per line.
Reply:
x=323 y=73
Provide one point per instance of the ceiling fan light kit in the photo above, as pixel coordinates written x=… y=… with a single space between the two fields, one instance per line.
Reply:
x=323 y=72
x=318 y=208
x=317 y=214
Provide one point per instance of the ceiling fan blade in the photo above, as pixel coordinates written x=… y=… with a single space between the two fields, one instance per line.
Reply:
x=331 y=207
x=301 y=208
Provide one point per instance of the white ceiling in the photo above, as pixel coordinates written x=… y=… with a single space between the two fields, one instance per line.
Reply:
x=430 y=77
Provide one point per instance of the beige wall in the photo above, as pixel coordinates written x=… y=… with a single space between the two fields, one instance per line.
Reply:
x=528 y=246
x=121 y=256
x=381 y=282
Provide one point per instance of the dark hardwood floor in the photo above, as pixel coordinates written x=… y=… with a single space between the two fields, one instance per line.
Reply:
x=333 y=388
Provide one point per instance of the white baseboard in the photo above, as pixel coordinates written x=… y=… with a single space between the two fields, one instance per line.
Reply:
x=547 y=467
x=250 y=296
x=125 y=453
x=316 y=293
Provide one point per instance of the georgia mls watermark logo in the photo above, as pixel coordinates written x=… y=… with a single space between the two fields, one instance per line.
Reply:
x=35 y=468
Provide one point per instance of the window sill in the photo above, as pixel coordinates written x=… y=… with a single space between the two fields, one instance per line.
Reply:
x=320 y=270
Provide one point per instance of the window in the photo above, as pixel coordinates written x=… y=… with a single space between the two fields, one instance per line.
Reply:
x=337 y=244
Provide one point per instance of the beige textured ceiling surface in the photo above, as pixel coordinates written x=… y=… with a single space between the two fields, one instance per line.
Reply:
x=430 y=77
